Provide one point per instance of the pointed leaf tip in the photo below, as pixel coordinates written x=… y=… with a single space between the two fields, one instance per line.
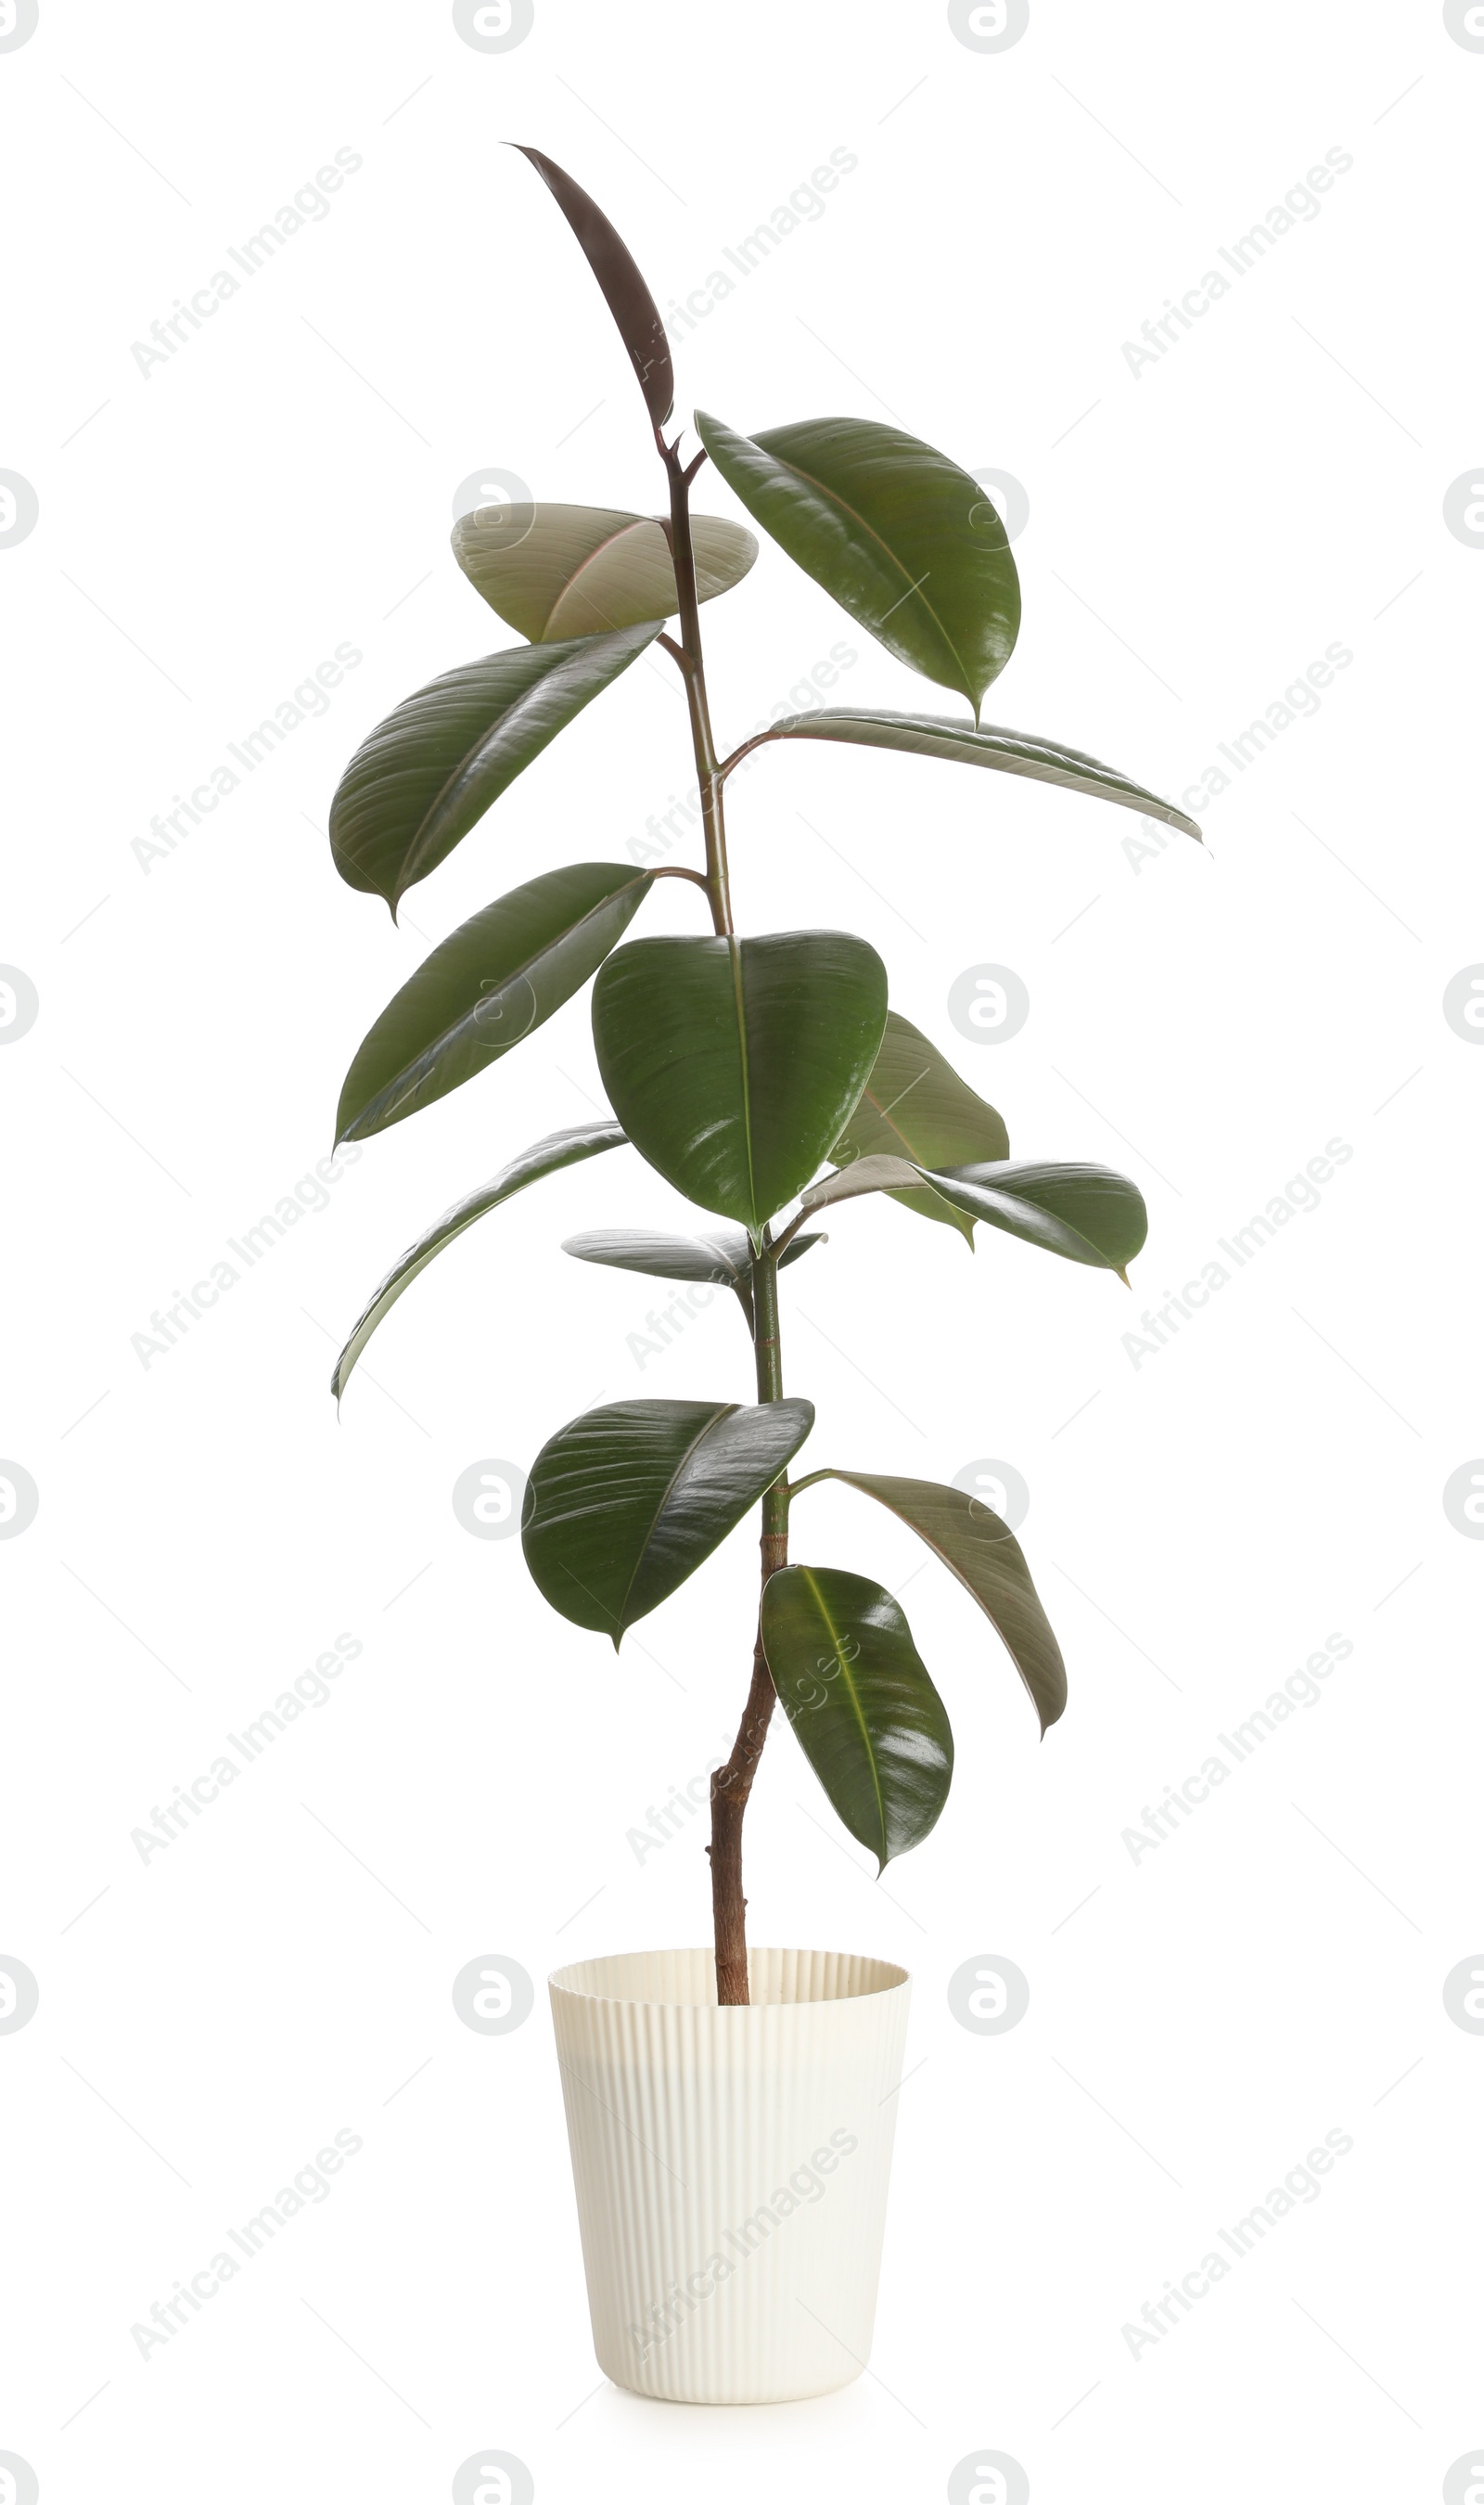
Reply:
x=487 y=987
x=915 y=1104
x=883 y=523
x=860 y=1703
x=1085 y=1212
x=635 y=311
x=626 y=1501
x=548 y=1157
x=1003 y=751
x=972 y=1541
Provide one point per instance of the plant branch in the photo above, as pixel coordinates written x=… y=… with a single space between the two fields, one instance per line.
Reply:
x=783 y=1241
x=761 y=740
x=696 y=877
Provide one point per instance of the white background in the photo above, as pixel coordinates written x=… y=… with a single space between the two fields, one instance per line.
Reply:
x=1199 y=1524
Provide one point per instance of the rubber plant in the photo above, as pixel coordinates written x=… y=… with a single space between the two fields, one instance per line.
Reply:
x=759 y=1075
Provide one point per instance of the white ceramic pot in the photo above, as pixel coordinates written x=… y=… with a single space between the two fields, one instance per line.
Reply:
x=731 y=2165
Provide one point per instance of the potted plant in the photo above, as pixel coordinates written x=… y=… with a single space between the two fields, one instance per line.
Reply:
x=729 y=2111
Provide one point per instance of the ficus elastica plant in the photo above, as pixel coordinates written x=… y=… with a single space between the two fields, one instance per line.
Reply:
x=765 y=1077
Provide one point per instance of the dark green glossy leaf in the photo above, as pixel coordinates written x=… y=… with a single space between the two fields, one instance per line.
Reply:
x=627 y=1501
x=617 y=273
x=429 y=773
x=547 y=1157
x=862 y=1706
x=907 y=542
x=721 y=1260
x=1085 y=1212
x=916 y=1106
x=732 y=1063
x=484 y=989
x=553 y=571
x=1004 y=752
x=983 y=1551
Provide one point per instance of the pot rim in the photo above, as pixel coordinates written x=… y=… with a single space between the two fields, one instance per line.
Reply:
x=892 y=1978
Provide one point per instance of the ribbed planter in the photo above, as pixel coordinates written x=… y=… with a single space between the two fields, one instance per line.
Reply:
x=731 y=2165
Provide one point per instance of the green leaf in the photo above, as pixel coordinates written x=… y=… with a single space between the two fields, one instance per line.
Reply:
x=1085 y=1212
x=484 y=989
x=1004 y=752
x=907 y=542
x=983 y=1551
x=547 y=1157
x=559 y=570
x=627 y=1501
x=867 y=1174
x=429 y=773
x=916 y=1106
x=721 y=1260
x=862 y=1706
x=617 y=273
x=732 y=1063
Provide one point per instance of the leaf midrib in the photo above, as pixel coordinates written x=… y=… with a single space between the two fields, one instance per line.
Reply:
x=458 y=772
x=740 y=1005
x=636 y=522
x=851 y=1690
x=883 y=1112
x=915 y=589
x=943 y=1556
x=1014 y=1201
x=508 y=714
x=430 y=1053
x=1005 y=1593
x=983 y=740
x=727 y=1409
